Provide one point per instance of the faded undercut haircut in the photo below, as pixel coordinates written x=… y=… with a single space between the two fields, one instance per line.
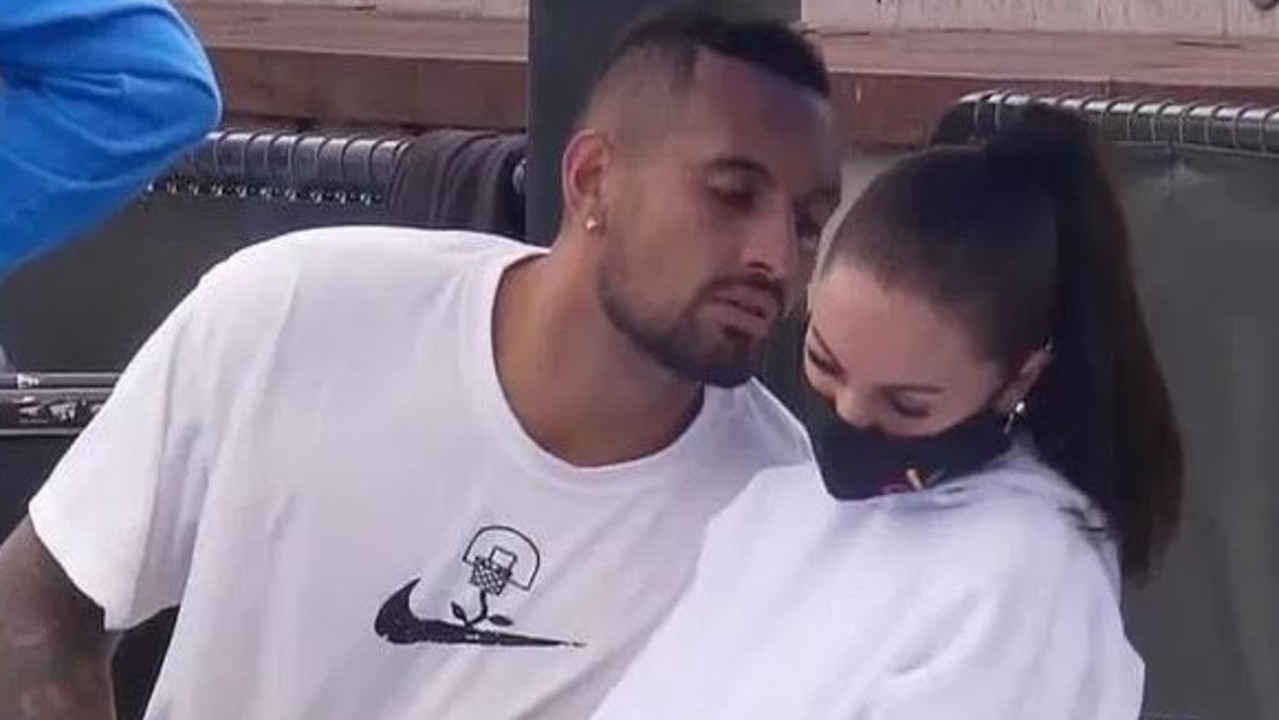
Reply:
x=660 y=53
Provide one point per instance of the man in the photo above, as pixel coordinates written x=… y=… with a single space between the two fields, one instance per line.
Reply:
x=96 y=97
x=405 y=474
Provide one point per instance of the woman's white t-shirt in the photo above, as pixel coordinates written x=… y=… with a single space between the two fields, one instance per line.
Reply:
x=993 y=597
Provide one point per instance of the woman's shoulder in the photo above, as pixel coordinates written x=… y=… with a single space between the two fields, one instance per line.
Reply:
x=1015 y=518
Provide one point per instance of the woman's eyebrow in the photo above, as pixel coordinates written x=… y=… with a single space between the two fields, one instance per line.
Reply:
x=917 y=389
x=821 y=345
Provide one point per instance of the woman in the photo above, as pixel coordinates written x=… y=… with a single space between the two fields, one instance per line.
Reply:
x=998 y=443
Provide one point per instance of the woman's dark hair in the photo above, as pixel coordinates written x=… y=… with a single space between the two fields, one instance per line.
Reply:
x=1023 y=238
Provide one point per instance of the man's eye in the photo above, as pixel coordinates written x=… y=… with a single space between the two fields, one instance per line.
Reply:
x=742 y=200
x=809 y=234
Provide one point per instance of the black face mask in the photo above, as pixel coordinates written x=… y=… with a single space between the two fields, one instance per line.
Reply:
x=857 y=463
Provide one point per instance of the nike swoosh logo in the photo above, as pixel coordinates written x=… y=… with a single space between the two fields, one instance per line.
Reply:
x=397 y=624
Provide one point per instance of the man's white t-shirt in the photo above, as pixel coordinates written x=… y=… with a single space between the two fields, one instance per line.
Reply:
x=992 y=598
x=315 y=458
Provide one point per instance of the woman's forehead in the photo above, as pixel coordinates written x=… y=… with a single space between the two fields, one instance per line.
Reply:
x=889 y=335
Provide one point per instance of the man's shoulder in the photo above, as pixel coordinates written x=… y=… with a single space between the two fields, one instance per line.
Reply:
x=332 y=281
x=759 y=420
x=361 y=250
x=349 y=262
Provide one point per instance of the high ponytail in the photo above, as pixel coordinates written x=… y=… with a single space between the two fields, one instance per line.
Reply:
x=1100 y=413
x=1027 y=232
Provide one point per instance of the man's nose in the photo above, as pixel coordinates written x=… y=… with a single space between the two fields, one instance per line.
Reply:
x=773 y=246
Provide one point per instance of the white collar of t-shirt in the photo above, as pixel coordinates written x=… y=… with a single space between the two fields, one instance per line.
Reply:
x=507 y=432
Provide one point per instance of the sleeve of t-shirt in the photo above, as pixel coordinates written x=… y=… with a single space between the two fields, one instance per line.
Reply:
x=122 y=510
x=1042 y=639
x=96 y=97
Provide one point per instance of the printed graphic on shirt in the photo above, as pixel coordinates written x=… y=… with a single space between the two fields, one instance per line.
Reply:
x=500 y=558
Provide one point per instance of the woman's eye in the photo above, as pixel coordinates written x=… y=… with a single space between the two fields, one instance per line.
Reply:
x=820 y=362
x=908 y=409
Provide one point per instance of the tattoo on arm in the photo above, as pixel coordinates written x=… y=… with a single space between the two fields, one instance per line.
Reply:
x=55 y=657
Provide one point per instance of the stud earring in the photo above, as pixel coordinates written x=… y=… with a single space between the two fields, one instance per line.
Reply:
x=1018 y=412
x=592 y=224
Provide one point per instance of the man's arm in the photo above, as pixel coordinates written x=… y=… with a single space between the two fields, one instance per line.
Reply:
x=96 y=98
x=55 y=656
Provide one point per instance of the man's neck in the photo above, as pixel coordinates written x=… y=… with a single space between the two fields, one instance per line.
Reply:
x=579 y=387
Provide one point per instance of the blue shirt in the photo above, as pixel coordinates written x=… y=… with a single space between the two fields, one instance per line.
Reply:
x=96 y=98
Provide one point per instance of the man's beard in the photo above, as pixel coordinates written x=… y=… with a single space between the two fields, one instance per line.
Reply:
x=725 y=358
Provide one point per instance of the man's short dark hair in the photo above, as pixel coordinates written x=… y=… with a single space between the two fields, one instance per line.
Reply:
x=768 y=45
x=667 y=45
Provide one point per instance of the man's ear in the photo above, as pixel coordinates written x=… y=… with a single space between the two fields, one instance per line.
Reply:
x=586 y=159
x=1031 y=370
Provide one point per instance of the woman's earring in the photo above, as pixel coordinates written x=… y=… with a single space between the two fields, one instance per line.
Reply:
x=1018 y=412
x=592 y=223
